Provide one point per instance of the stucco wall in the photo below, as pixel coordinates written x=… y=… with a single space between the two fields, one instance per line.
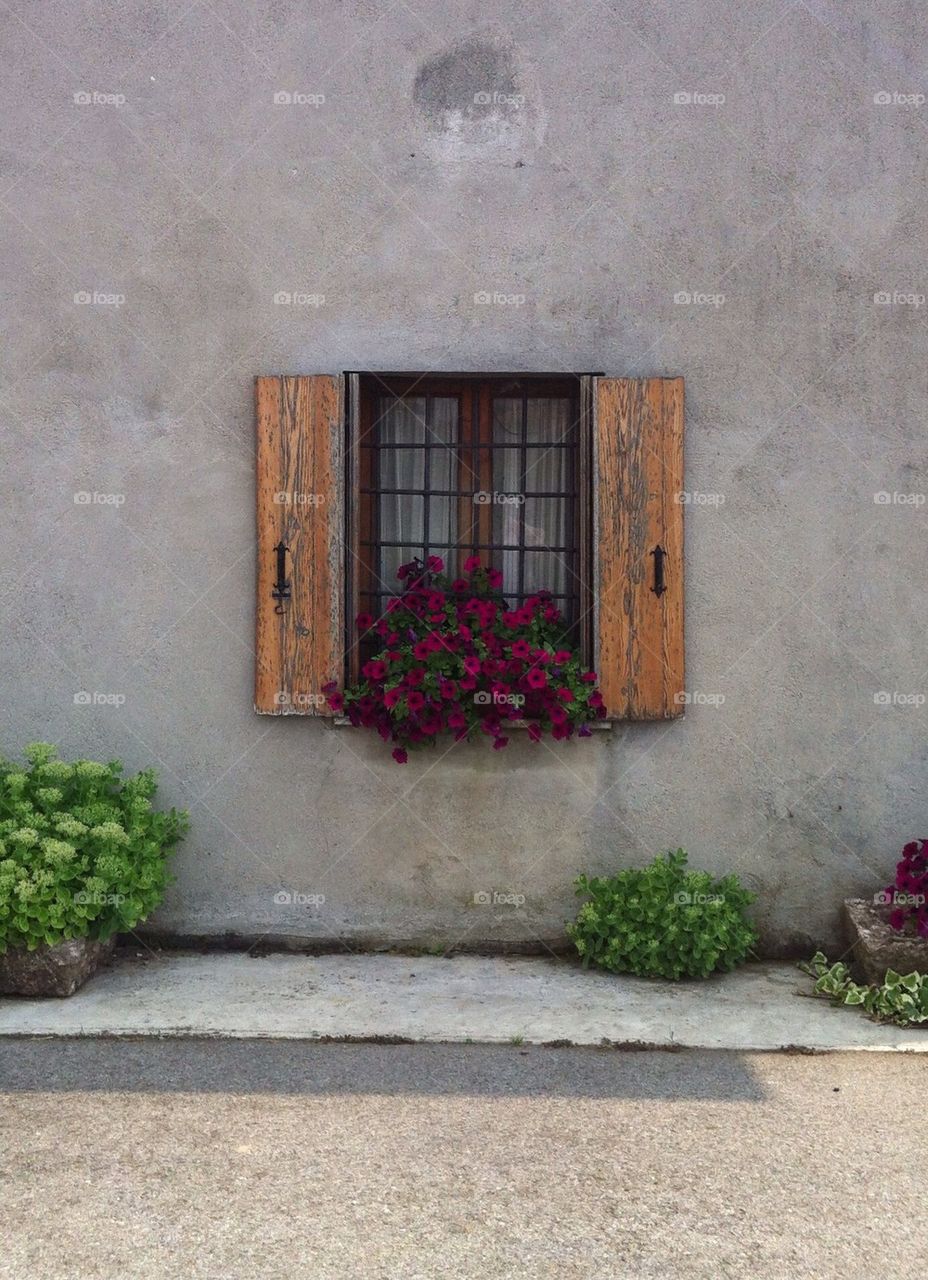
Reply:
x=585 y=185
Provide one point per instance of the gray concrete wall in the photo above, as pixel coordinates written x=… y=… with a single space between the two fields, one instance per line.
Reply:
x=181 y=198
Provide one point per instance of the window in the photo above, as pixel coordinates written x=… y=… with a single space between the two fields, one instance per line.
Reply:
x=456 y=467
x=357 y=473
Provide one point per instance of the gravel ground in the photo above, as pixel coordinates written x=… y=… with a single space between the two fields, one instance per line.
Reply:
x=248 y=1160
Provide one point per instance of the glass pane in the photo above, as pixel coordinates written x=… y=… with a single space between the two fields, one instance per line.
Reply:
x=443 y=425
x=442 y=523
x=507 y=471
x=546 y=470
x=443 y=469
x=546 y=571
x=390 y=560
x=401 y=421
x=401 y=520
x=507 y=420
x=546 y=522
x=548 y=420
x=402 y=468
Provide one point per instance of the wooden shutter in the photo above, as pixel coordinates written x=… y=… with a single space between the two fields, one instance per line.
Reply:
x=300 y=503
x=638 y=521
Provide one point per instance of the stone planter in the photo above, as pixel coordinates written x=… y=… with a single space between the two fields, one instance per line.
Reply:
x=878 y=947
x=52 y=971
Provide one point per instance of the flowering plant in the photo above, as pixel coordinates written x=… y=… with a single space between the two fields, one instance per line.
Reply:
x=456 y=657
x=908 y=894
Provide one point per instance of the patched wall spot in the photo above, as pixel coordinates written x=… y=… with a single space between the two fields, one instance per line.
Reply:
x=478 y=100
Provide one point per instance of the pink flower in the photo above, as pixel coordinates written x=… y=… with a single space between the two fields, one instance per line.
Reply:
x=521 y=649
x=596 y=698
x=589 y=677
x=336 y=701
x=499 y=743
x=563 y=655
x=400 y=755
x=415 y=700
x=415 y=676
x=460 y=584
x=511 y=619
x=435 y=599
x=364 y=622
x=467 y=683
x=435 y=564
x=422 y=650
x=457 y=720
x=536 y=679
x=392 y=697
x=565 y=695
x=494 y=578
x=471 y=564
x=472 y=666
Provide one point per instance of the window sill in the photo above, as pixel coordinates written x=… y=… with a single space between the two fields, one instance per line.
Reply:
x=342 y=722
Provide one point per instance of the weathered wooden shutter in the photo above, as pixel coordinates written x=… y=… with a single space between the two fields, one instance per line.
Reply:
x=638 y=546
x=299 y=641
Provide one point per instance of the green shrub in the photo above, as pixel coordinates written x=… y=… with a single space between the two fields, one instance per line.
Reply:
x=663 y=921
x=900 y=998
x=82 y=852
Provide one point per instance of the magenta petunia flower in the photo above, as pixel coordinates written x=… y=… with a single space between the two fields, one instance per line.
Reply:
x=511 y=619
x=457 y=720
x=415 y=700
x=364 y=622
x=563 y=655
x=400 y=755
x=521 y=649
x=336 y=701
x=374 y=670
x=472 y=665
x=415 y=676
x=422 y=650
x=536 y=679
x=460 y=584
x=435 y=564
x=471 y=564
x=494 y=578
x=499 y=743
x=392 y=697
x=565 y=695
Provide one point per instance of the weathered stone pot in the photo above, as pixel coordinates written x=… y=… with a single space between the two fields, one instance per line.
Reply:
x=877 y=946
x=52 y=971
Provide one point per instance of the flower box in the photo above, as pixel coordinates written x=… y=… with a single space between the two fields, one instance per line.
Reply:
x=877 y=946
x=58 y=970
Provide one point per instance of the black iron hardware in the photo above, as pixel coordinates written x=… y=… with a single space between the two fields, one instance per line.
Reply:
x=281 y=590
x=659 y=553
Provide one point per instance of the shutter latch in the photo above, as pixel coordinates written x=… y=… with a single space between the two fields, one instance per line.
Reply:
x=281 y=590
x=658 y=553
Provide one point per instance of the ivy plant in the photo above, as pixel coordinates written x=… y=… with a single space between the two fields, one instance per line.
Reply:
x=900 y=998
x=663 y=921
x=82 y=851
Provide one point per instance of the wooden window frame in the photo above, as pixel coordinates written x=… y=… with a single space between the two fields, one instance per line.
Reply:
x=476 y=391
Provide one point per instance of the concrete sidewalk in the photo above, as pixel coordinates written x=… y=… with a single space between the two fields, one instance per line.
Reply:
x=467 y=998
